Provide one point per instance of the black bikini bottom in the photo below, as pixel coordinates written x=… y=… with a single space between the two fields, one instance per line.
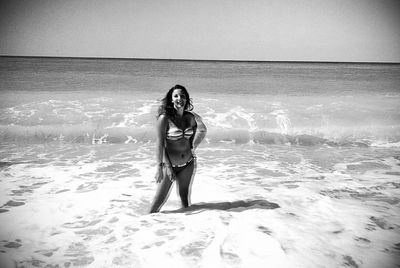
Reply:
x=178 y=168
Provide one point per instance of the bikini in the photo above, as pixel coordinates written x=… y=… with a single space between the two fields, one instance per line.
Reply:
x=174 y=133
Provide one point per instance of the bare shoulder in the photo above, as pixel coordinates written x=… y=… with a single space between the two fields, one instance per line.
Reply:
x=190 y=117
x=162 y=120
x=196 y=116
x=162 y=117
x=189 y=114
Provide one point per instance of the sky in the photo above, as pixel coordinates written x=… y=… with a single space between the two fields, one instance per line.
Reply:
x=261 y=30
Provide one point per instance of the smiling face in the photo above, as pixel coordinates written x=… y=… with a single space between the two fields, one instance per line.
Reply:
x=179 y=99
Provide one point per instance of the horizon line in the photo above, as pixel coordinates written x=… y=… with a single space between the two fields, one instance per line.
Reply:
x=200 y=60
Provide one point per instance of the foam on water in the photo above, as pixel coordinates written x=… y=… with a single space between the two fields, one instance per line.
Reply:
x=87 y=205
x=256 y=121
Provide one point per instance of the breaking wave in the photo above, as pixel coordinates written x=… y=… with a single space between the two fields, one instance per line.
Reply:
x=92 y=135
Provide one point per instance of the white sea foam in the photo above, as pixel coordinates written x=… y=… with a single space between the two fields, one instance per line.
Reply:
x=238 y=121
x=282 y=121
x=252 y=206
x=385 y=144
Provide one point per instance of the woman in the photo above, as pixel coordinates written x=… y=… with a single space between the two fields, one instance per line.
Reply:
x=179 y=132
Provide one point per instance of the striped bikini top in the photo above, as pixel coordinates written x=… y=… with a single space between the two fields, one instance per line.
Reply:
x=174 y=133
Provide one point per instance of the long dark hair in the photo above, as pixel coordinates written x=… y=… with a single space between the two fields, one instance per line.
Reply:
x=167 y=107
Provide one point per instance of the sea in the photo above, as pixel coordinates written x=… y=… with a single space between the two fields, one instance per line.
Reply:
x=300 y=166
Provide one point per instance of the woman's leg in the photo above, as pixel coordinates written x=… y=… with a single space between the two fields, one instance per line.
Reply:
x=184 y=180
x=162 y=194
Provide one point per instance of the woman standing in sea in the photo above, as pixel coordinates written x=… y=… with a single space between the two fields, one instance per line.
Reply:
x=179 y=132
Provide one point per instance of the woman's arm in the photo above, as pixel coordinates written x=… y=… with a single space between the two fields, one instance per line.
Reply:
x=164 y=169
x=201 y=131
x=160 y=142
x=160 y=147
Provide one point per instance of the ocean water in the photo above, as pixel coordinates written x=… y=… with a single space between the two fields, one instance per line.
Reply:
x=300 y=166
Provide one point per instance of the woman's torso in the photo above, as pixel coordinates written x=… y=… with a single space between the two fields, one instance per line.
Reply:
x=179 y=137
